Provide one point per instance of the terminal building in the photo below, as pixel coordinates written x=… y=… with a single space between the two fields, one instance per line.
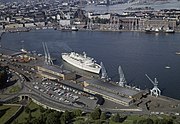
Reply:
x=55 y=72
x=112 y=91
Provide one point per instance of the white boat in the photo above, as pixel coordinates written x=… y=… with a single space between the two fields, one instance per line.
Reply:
x=169 y=31
x=74 y=28
x=177 y=53
x=81 y=61
x=167 y=67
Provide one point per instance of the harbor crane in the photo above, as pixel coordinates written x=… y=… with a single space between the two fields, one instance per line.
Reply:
x=48 y=59
x=103 y=72
x=122 y=80
x=155 y=91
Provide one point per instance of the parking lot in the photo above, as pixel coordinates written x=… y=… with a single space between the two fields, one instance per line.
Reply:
x=65 y=94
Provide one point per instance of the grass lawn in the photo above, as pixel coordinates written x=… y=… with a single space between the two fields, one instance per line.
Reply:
x=14 y=89
x=35 y=112
x=6 y=112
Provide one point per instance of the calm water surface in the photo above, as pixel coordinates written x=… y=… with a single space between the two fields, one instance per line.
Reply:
x=137 y=53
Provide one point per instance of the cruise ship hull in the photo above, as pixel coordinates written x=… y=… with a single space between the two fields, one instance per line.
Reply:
x=80 y=65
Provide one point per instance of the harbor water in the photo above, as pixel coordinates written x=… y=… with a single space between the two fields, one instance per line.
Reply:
x=138 y=53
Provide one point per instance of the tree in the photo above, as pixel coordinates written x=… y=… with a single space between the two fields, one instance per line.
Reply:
x=35 y=121
x=3 y=75
x=42 y=119
x=27 y=110
x=149 y=121
x=103 y=116
x=58 y=114
x=115 y=118
x=96 y=114
x=146 y=121
x=42 y=110
x=66 y=116
x=163 y=121
x=77 y=112
x=98 y=122
x=29 y=118
x=52 y=119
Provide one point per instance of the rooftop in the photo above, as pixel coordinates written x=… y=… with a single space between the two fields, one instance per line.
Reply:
x=109 y=94
x=109 y=86
x=54 y=68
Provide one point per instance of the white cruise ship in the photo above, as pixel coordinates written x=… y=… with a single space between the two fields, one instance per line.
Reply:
x=81 y=61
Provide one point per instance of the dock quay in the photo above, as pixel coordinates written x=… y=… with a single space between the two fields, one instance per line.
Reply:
x=51 y=82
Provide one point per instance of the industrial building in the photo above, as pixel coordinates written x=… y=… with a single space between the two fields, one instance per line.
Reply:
x=112 y=91
x=55 y=72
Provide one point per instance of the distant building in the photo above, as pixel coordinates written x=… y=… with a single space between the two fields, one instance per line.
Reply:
x=158 y=23
x=65 y=22
x=14 y=25
x=101 y=16
x=28 y=25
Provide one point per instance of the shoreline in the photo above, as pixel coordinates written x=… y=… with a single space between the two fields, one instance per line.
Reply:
x=96 y=30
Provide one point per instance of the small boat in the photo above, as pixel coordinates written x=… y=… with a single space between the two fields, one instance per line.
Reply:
x=169 y=31
x=177 y=53
x=74 y=28
x=167 y=67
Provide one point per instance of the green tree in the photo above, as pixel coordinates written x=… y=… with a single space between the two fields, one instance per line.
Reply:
x=96 y=114
x=42 y=110
x=66 y=117
x=42 y=119
x=52 y=119
x=115 y=118
x=103 y=116
x=29 y=118
x=58 y=114
x=3 y=76
x=97 y=122
x=149 y=121
x=77 y=112
x=80 y=122
x=35 y=121
x=27 y=110
x=134 y=121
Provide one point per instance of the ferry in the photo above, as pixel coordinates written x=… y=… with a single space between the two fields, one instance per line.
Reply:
x=81 y=61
